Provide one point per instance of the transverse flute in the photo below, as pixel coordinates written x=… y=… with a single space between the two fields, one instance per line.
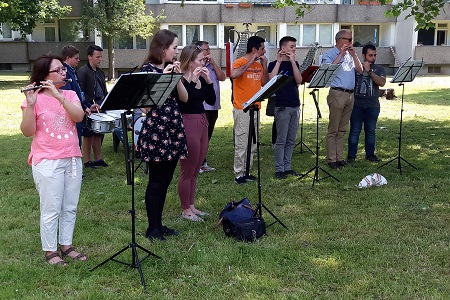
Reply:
x=39 y=86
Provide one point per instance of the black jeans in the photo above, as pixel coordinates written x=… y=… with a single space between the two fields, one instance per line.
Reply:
x=160 y=175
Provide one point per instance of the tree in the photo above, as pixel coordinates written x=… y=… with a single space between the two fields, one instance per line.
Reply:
x=22 y=15
x=423 y=11
x=116 y=17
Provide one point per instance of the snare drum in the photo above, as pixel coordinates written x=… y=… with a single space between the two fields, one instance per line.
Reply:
x=137 y=129
x=117 y=115
x=100 y=123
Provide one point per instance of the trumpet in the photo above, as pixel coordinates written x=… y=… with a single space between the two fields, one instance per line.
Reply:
x=39 y=86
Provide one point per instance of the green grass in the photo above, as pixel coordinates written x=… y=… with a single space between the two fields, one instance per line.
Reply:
x=390 y=242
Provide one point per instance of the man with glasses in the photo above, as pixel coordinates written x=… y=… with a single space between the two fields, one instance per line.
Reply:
x=71 y=57
x=340 y=97
x=92 y=83
x=367 y=106
x=212 y=111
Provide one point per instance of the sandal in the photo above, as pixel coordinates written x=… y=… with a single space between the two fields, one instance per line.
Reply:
x=53 y=255
x=71 y=249
x=192 y=217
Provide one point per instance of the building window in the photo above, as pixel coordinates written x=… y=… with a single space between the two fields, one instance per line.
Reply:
x=365 y=34
x=441 y=34
x=265 y=33
x=306 y=34
x=6 y=31
x=425 y=37
x=434 y=70
x=228 y=36
x=126 y=42
x=70 y=31
x=309 y=34
x=141 y=43
x=294 y=31
x=189 y=34
x=50 y=34
x=192 y=34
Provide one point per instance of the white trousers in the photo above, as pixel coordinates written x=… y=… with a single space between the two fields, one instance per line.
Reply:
x=58 y=183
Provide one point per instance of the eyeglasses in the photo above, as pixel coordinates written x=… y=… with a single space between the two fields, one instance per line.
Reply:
x=207 y=49
x=59 y=70
x=348 y=39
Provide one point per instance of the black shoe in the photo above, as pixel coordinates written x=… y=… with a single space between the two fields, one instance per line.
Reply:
x=100 y=163
x=292 y=172
x=280 y=175
x=155 y=234
x=166 y=231
x=240 y=180
x=89 y=164
x=334 y=165
x=250 y=177
x=350 y=160
x=373 y=158
x=343 y=163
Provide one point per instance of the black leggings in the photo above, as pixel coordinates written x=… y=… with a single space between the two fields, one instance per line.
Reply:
x=160 y=175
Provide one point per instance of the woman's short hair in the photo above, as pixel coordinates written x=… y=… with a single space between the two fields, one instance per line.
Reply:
x=188 y=54
x=161 y=41
x=41 y=67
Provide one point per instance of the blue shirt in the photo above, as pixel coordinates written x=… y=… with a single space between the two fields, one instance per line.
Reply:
x=71 y=73
x=345 y=77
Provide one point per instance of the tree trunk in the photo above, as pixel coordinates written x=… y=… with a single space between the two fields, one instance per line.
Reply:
x=111 y=71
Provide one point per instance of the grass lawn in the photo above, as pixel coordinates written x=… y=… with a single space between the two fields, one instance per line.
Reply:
x=390 y=242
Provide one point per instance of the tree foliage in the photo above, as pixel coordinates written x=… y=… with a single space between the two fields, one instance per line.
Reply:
x=118 y=17
x=22 y=15
x=423 y=11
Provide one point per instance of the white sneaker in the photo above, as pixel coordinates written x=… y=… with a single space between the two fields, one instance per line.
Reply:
x=206 y=168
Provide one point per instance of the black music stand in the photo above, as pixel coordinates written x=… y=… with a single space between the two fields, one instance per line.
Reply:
x=406 y=73
x=132 y=91
x=322 y=78
x=266 y=91
x=307 y=75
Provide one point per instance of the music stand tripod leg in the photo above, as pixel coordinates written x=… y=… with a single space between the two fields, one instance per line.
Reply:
x=254 y=136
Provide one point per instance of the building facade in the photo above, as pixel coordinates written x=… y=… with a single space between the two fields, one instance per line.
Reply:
x=220 y=21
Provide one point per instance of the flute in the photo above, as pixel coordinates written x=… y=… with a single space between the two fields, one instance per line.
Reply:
x=39 y=86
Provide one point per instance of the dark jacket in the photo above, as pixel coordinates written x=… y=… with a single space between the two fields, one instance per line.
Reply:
x=88 y=82
x=74 y=85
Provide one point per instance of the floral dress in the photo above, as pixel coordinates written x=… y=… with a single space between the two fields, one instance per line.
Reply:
x=162 y=137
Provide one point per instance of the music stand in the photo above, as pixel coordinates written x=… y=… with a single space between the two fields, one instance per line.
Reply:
x=322 y=78
x=132 y=91
x=276 y=83
x=406 y=73
x=307 y=75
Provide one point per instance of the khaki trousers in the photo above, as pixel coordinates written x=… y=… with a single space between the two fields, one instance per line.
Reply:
x=241 y=126
x=340 y=105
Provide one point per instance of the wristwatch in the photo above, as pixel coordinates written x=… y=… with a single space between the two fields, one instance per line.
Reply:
x=370 y=72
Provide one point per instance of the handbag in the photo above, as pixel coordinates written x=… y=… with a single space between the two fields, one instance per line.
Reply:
x=239 y=221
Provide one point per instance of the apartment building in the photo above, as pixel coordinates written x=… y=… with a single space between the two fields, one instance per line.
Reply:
x=220 y=21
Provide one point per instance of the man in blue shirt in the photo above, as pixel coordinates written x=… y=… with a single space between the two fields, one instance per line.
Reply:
x=340 y=97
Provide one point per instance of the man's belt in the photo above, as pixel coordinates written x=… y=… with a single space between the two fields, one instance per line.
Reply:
x=342 y=90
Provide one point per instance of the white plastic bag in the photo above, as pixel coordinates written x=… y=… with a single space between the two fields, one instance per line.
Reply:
x=374 y=179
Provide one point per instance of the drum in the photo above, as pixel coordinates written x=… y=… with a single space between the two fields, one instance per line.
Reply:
x=137 y=129
x=116 y=114
x=100 y=123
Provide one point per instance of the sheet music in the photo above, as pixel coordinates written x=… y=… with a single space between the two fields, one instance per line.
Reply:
x=324 y=76
x=141 y=89
x=274 y=84
x=407 y=71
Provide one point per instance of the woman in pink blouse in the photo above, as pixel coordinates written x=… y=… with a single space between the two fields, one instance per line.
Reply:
x=50 y=116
